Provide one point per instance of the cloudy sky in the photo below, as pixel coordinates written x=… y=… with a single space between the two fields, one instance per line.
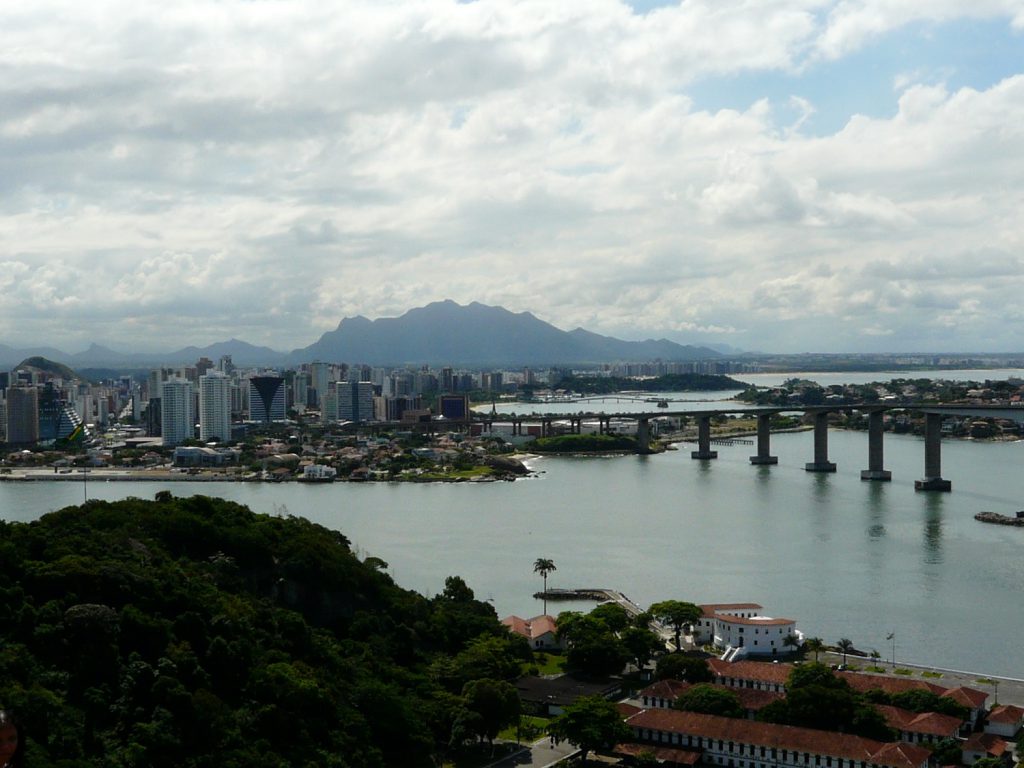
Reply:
x=783 y=175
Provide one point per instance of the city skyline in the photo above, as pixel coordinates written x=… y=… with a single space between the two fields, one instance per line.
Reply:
x=795 y=176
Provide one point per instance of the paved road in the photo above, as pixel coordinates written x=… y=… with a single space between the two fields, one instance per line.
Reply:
x=538 y=755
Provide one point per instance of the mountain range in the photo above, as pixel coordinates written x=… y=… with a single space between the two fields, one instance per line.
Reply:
x=443 y=332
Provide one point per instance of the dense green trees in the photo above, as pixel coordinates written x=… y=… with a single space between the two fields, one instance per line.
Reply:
x=710 y=699
x=593 y=647
x=590 y=723
x=678 y=615
x=816 y=698
x=189 y=633
x=679 y=666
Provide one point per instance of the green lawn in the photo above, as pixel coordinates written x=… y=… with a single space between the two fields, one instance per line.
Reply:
x=531 y=728
x=545 y=664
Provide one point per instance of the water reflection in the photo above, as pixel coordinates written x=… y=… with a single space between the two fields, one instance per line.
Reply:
x=875 y=504
x=933 y=504
x=821 y=506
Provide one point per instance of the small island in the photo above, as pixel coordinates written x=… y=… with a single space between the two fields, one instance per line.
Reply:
x=998 y=519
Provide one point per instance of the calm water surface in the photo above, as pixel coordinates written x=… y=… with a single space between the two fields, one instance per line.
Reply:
x=845 y=558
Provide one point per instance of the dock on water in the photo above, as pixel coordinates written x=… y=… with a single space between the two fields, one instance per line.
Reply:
x=597 y=594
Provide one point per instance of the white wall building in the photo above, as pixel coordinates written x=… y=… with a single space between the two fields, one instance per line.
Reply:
x=743 y=627
x=214 y=407
x=177 y=422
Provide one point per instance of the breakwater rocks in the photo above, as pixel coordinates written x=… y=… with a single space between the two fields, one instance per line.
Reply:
x=995 y=517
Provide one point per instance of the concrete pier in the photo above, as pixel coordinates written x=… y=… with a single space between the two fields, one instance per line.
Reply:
x=704 y=440
x=821 y=462
x=763 y=441
x=933 y=456
x=643 y=436
x=876 y=467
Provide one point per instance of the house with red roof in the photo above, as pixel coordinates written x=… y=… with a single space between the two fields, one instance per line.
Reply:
x=981 y=745
x=1005 y=720
x=747 y=744
x=920 y=727
x=663 y=694
x=540 y=631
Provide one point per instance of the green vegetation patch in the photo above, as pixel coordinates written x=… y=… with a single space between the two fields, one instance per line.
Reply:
x=194 y=633
x=903 y=671
x=582 y=444
x=930 y=673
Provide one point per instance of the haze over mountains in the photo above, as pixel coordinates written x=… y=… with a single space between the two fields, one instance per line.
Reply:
x=440 y=333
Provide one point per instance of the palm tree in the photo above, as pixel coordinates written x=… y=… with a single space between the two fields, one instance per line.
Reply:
x=791 y=641
x=814 y=644
x=844 y=645
x=544 y=566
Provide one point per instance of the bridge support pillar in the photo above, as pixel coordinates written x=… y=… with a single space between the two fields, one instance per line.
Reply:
x=876 y=469
x=821 y=462
x=704 y=440
x=763 y=441
x=643 y=436
x=933 y=456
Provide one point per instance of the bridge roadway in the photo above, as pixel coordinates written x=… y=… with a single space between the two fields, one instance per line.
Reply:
x=933 y=413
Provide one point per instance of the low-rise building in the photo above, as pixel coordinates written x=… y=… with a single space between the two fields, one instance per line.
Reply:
x=920 y=727
x=540 y=631
x=1005 y=720
x=745 y=744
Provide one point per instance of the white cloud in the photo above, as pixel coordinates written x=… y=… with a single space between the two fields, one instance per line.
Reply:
x=261 y=169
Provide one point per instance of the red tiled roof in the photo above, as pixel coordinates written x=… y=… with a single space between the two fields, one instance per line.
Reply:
x=530 y=628
x=781 y=737
x=662 y=754
x=752 y=670
x=760 y=621
x=988 y=743
x=627 y=710
x=969 y=697
x=710 y=608
x=929 y=723
x=665 y=689
x=755 y=700
x=1006 y=713
x=862 y=681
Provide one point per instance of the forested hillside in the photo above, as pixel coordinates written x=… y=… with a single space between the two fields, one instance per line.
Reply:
x=194 y=632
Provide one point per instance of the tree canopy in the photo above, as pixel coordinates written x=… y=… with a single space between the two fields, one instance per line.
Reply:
x=590 y=723
x=192 y=633
x=710 y=699
x=677 y=614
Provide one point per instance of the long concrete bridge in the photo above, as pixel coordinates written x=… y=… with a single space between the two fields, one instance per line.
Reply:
x=933 y=415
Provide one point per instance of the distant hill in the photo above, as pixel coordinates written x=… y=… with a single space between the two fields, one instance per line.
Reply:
x=43 y=365
x=440 y=333
x=477 y=334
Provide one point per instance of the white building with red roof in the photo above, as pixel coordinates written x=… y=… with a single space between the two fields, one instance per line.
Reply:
x=743 y=630
x=1005 y=720
x=540 y=631
x=748 y=744
x=920 y=727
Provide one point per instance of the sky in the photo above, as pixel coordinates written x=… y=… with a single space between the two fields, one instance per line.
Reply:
x=773 y=175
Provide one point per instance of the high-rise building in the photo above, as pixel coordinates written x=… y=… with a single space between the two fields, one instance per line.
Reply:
x=214 y=407
x=355 y=400
x=177 y=422
x=454 y=407
x=267 y=398
x=57 y=419
x=320 y=373
x=22 y=415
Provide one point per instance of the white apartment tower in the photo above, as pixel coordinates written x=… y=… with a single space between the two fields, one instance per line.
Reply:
x=177 y=421
x=214 y=407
